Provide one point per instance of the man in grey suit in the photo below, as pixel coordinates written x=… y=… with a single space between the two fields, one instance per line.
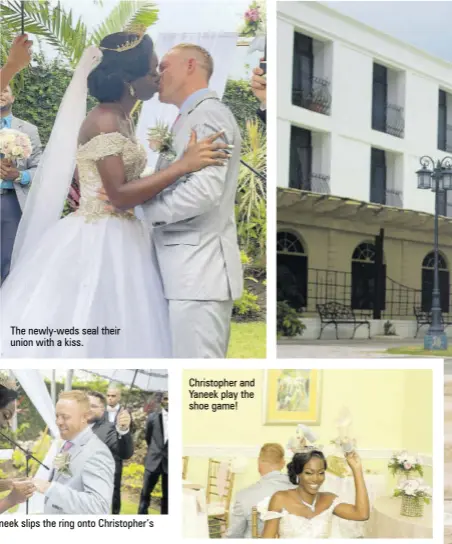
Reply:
x=270 y=464
x=193 y=223
x=156 y=463
x=15 y=179
x=81 y=480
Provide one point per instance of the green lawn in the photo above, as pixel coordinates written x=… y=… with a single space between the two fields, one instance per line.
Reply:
x=419 y=351
x=129 y=507
x=248 y=341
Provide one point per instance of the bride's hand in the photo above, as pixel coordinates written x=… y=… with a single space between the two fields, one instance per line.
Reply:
x=204 y=153
x=354 y=461
x=102 y=195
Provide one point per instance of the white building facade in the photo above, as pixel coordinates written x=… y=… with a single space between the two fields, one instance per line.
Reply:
x=356 y=110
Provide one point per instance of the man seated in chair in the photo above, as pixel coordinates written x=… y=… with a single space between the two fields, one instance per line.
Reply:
x=270 y=463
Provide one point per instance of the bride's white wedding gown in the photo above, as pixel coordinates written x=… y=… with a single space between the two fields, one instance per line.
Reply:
x=91 y=269
x=292 y=526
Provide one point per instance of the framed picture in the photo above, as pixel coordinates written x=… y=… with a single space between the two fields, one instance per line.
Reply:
x=292 y=397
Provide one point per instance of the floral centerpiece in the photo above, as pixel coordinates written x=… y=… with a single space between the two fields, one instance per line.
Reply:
x=14 y=144
x=414 y=495
x=403 y=463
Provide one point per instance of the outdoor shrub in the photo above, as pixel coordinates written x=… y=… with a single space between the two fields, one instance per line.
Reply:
x=246 y=305
x=288 y=321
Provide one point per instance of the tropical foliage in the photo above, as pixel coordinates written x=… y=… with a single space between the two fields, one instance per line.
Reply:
x=57 y=26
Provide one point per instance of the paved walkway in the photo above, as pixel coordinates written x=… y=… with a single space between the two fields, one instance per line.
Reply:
x=341 y=349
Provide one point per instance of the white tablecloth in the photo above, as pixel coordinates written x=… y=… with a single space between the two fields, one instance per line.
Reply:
x=195 y=523
x=344 y=488
x=386 y=521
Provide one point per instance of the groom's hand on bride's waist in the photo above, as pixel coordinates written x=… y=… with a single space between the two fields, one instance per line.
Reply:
x=102 y=195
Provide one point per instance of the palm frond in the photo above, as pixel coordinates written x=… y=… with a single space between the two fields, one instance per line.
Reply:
x=53 y=24
x=123 y=15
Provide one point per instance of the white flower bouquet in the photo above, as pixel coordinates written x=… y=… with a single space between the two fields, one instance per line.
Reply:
x=14 y=144
x=414 y=495
x=404 y=463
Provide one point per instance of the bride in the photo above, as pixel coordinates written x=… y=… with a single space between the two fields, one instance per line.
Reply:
x=88 y=285
x=305 y=512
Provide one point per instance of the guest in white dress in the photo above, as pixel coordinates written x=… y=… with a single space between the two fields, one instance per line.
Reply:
x=305 y=512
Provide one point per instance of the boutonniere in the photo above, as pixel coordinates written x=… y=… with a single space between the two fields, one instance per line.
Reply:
x=61 y=463
x=161 y=140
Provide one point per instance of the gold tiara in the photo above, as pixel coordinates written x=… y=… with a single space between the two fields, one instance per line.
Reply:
x=8 y=382
x=138 y=29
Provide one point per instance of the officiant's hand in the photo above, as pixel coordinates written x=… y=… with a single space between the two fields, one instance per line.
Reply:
x=22 y=490
x=204 y=153
x=41 y=485
x=354 y=461
x=124 y=420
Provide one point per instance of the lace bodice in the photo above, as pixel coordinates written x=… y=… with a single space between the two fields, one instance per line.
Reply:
x=292 y=526
x=134 y=158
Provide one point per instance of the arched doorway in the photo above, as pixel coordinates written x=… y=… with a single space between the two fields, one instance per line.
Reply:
x=292 y=270
x=427 y=282
x=363 y=277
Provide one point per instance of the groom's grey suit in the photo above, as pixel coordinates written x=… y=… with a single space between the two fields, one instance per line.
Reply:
x=89 y=488
x=195 y=237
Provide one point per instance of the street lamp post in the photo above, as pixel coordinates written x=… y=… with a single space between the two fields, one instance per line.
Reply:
x=439 y=180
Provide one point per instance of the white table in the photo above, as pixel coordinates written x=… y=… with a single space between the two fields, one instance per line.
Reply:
x=386 y=521
x=344 y=488
x=194 y=510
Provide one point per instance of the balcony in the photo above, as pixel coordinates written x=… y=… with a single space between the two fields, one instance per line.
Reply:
x=393 y=198
x=389 y=119
x=316 y=183
x=313 y=95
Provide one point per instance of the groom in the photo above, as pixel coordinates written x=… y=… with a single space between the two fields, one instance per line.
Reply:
x=193 y=222
x=81 y=480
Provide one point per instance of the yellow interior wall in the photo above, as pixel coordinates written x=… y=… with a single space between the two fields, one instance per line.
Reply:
x=391 y=409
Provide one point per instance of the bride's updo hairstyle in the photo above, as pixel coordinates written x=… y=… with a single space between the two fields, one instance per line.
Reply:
x=108 y=81
x=299 y=460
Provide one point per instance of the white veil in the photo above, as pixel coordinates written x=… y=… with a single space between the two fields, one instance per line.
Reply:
x=53 y=176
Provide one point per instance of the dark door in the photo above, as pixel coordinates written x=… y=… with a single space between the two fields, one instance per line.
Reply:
x=379 y=97
x=292 y=279
x=427 y=288
x=378 y=176
x=303 y=67
x=300 y=159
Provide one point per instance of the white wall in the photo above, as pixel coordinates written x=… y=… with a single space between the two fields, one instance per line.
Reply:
x=350 y=50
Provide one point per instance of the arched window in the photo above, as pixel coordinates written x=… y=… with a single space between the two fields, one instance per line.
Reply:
x=292 y=270
x=428 y=265
x=363 y=277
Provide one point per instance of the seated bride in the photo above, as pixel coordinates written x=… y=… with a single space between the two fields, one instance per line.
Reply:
x=305 y=512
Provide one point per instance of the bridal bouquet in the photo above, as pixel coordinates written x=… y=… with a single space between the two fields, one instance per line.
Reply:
x=14 y=144
x=62 y=462
x=403 y=463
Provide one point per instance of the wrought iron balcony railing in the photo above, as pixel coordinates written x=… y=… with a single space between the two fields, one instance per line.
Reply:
x=388 y=197
x=316 y=183
x=390 y=120
x=313 y=94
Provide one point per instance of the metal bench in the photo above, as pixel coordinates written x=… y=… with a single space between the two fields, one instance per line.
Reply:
x=334 y=313
x=425 y=318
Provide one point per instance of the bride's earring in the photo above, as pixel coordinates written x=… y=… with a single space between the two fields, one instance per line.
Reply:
x=298 y=479
x=131 y=90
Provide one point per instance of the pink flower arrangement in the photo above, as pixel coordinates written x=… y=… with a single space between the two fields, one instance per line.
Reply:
x=252 y=15
x=14 y=144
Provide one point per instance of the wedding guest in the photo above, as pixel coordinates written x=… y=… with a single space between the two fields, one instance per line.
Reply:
x=19 y=57
x=156 y=463
x=269 y=464
x=15 y=179
x=259 y=88
x=113 y=403
x=116 y=436
x=21 y=490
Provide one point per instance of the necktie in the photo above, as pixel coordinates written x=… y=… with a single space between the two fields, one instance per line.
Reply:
x=67 y=446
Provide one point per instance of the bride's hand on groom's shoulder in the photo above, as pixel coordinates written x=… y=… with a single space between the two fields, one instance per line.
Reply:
x=206 y=152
